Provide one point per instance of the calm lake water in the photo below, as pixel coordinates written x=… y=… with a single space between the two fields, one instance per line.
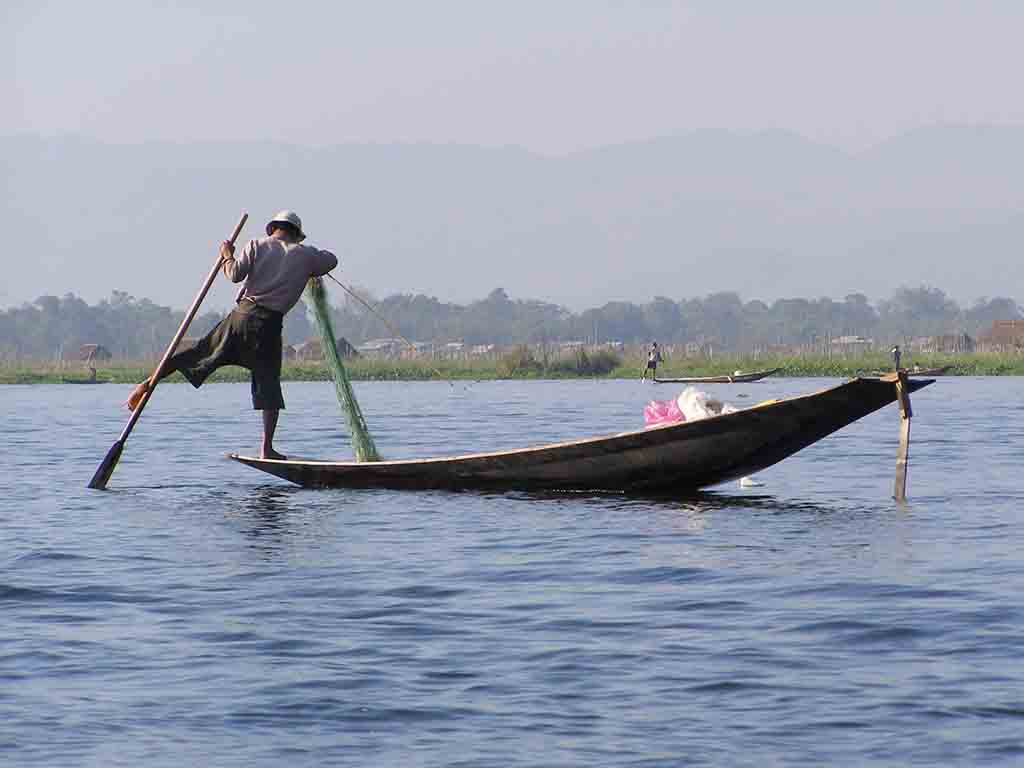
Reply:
x=202 y=613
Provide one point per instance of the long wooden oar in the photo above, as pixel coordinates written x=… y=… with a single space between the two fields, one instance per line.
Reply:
x=106 y=468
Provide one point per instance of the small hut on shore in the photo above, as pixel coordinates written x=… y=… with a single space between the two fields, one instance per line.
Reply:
x=311 y=350
x=1006 y=336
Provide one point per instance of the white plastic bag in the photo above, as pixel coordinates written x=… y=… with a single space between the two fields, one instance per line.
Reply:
x=697 y=404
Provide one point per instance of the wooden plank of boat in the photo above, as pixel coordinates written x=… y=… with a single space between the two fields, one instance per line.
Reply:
x=736 y=378
x=672 y=457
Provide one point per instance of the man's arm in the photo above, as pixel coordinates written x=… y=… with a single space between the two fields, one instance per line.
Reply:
x=236 y=270
x=322 y=262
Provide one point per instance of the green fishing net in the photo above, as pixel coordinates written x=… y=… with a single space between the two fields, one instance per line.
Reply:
x=362 y=442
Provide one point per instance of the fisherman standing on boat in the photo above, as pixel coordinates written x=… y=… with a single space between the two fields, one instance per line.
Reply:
x=653 y=358
x=275 y=270
x=896 y=356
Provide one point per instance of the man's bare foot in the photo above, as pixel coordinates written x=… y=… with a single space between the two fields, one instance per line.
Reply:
x=270 y=453
x=137 y=394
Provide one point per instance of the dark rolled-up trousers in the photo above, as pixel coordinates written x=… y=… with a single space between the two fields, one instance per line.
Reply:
x=249 y=337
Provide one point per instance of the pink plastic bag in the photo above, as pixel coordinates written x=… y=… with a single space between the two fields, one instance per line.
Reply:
x=662 y=412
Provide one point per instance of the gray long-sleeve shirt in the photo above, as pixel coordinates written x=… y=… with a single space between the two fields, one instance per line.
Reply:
x=275 y=272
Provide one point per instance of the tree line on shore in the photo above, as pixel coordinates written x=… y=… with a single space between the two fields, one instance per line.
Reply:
x=134 y=328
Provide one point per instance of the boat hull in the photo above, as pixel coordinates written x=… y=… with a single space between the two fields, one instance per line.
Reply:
x=736 y=378
x=919 y=373
x=674 y=457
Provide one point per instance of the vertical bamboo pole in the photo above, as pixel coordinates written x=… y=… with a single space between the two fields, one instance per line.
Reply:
x=906 y=413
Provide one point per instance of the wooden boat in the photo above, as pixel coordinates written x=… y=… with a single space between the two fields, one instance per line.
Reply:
x=926 y=372
x=736 y=378
x=674 y=457
x=919 y=372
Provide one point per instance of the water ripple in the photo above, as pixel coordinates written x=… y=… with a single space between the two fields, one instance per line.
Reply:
x=201 y=614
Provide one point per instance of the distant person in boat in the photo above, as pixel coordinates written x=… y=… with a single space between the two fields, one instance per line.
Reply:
x=896 y=356
x=275 y=270
x=653 y=358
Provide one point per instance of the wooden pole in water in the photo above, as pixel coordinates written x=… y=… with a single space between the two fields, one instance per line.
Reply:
x=106 y=469
x=906 y=413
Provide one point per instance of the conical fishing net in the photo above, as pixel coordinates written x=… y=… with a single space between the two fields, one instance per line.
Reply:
x=362 y=443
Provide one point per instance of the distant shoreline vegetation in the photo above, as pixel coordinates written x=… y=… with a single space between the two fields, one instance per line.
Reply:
x=123 y=328
x=515 y=365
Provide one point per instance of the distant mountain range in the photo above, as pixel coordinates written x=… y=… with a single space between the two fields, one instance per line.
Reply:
x=767 y=214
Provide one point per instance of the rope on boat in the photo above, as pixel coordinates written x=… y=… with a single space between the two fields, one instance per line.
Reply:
x=362 y=441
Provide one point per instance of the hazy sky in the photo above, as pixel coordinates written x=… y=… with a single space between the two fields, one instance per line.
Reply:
x=553 y=76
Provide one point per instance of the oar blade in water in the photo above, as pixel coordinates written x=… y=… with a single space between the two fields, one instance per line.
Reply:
x=106 y=468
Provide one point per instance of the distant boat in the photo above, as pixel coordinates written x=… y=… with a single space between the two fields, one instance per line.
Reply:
x=939 y=371
x=917 y=372
x=682 y=456
x=735 y=378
